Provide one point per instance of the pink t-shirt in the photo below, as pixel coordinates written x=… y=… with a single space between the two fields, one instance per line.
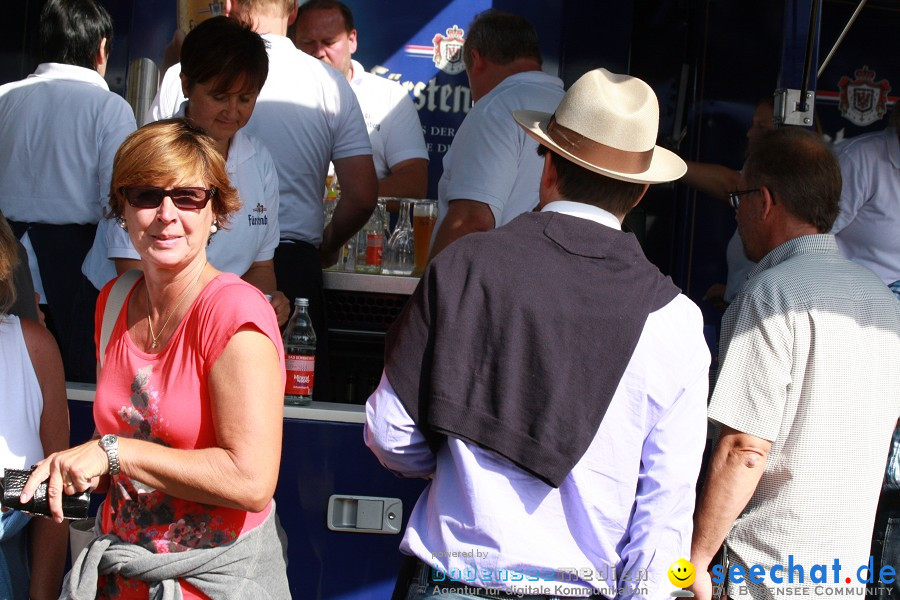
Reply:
x=164 y=398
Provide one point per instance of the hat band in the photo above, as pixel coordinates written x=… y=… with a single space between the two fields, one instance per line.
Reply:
x=601 y=155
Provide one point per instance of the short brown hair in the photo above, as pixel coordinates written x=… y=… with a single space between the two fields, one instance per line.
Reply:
x=9 y=258
x=222 y=51
x=801 y=172
x=266 y=6
x=346 y=13
x=578 y=184
x=168 y=151
x=501 y=37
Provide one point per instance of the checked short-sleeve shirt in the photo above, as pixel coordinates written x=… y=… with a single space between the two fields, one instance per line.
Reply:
x=809 y=361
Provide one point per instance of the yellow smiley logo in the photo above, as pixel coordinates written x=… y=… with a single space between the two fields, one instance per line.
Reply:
x=682 y=573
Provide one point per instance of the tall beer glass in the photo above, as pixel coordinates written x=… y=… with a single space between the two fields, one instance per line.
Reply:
x=424 y=218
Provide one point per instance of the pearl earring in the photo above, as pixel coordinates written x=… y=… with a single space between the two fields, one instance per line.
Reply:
x=213 y=228
x=120 y=221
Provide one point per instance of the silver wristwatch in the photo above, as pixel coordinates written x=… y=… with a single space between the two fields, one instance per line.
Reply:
x=110 y=444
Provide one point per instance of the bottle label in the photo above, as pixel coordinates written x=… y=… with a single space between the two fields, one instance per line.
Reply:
x=374 y=246
x=300 y=369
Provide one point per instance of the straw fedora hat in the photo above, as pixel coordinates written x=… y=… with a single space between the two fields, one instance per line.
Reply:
x=607 y=123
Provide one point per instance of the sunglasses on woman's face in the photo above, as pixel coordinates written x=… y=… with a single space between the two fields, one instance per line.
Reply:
x=184 y=198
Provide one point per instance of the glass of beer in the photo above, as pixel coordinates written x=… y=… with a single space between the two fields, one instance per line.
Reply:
x=424 y=218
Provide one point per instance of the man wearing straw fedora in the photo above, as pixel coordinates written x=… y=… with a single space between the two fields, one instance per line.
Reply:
x=550 y=381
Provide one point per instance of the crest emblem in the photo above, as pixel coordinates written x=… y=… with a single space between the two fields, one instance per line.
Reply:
x=259 y=208
x=863 y=100
x=448 y=56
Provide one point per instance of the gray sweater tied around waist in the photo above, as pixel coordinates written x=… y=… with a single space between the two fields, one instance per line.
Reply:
x=253 y=566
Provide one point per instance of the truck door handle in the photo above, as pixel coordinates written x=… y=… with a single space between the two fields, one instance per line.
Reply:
x=364 y=514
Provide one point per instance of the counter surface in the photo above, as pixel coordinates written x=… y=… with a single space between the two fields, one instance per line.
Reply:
x=363 y=282
x=317 y=411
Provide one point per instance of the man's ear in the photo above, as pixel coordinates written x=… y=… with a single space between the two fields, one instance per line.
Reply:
x=184 y=86
x=352 y=39
x=477 y=65
x=102 y=57
x=549 y=176
x=767 y=202
x=641 y=197
x=293 y=15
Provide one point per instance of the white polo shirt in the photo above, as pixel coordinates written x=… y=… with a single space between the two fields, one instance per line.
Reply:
x=61 y=127
x=492 y=160
x=306 y=115
x=867 y=227
x=391 y=119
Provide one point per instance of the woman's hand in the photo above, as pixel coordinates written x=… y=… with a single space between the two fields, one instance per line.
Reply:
x=68 y=472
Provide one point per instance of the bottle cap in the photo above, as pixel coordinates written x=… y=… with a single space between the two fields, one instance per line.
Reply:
x=301 y=302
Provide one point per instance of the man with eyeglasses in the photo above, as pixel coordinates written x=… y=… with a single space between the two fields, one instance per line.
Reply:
x=808 y=391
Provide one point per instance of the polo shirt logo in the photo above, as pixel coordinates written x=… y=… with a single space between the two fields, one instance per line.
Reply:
x=261 y=218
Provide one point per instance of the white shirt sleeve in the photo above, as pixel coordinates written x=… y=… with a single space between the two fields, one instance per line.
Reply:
x=351 y=138
x=662 y=520
x=485 y=158
x=118 y=244
x=402 y=130
x=392 y=435
x=168 y=98
x=855 y=184
x=270 y=191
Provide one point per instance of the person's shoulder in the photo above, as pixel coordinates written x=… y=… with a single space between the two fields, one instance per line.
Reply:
x=252 y=148
x=530 y=90
x=377 y=83
x=225 y=286
x=861 y=144
x=678 y=328
x=229 y=292
x=39 y=341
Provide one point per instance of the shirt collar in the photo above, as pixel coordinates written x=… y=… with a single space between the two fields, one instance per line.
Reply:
x=584 y=211
x=816 y=243
x=357 y=71
x=70 y=73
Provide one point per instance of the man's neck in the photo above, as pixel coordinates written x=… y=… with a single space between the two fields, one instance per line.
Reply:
x=273 y=25
x=789 y=229
x=263 y=20
x=497 y=73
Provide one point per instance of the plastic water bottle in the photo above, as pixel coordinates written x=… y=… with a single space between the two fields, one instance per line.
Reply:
x=299 y=355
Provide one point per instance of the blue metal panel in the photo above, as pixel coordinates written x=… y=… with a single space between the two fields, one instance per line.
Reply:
x=324 y=458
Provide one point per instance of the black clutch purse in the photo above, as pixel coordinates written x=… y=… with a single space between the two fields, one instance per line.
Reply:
x=74 y=507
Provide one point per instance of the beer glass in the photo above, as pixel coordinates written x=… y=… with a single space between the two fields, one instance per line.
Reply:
x=424 y=218
x=399 y=253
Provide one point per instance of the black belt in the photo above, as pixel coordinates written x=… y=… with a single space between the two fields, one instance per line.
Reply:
x=428 y=578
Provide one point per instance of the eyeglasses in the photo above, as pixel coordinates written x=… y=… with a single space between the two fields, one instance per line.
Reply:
x=184 y=198
x=735 y=196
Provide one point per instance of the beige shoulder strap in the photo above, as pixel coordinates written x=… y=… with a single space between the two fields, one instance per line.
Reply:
x=114 y=304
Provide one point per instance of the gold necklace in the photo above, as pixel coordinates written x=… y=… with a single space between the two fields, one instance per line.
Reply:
x=155 y=338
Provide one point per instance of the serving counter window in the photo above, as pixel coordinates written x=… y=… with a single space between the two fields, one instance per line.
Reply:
x=361 y=308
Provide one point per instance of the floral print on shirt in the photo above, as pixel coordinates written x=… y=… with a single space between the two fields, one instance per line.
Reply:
x=149 y=518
